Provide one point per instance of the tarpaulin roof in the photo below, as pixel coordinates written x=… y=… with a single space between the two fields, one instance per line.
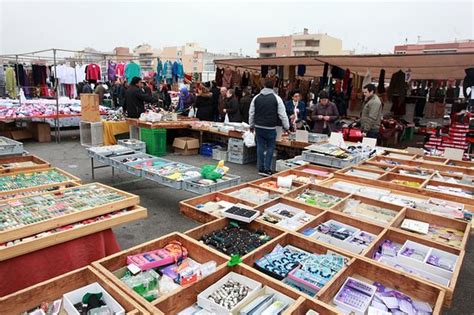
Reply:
x=423 y=66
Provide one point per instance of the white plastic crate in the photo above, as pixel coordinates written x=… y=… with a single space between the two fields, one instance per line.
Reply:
x=117 y=161
x=134 y=132
x=92 y=133
x=10 y=147
x=192 y=186
x=134 y=144
x=219 y=154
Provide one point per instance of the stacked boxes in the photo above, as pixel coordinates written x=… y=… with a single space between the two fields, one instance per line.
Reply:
x=240 y=154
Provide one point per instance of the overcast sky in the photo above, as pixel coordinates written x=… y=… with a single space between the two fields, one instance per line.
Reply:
x=368 y=27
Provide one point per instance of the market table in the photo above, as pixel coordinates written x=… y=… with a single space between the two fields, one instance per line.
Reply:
x=113 y=128
x=26 y=270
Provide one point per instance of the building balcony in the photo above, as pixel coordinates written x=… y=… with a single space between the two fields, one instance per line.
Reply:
x=306 y=48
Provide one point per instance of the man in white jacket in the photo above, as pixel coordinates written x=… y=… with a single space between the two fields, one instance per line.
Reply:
x=265 y=111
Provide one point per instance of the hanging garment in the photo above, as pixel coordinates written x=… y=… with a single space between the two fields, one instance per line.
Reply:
x=168 y=72
x=10 y=82
x=367 y=78
x=175 y=71
x=227 y=78
x=345 y=80
x=159 y=72
x=219 y=73
x=264 y=71
x=111 y=71
x=120 y=70
x=20 y=72
x=245 y=78
x=132 y=70
x=236 y=78
x=93 y=72
x=324 y=78
x=80 y=73
x=180 y=72
x=337 y=73
x=301 y=70
x=381 y=86
x=468 y=82
x=397 y=86
x=2 y=81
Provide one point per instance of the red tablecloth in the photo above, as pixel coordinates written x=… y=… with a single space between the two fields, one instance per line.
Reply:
x=26 y=270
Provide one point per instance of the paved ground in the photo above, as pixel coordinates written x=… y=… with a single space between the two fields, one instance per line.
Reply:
x=162 y=203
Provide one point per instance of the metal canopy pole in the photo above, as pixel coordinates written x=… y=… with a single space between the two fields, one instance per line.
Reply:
x=17 y=78
x=56 y=120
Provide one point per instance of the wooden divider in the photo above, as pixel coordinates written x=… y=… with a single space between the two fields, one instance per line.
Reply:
x=39 y=164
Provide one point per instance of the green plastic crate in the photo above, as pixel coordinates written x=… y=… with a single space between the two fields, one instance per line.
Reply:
x=155 y=140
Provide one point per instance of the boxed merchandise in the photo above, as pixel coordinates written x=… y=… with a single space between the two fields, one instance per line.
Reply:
x=369 y=210
x=287 y=214
x=251 y=194
x=186 y=145
x=317 y=196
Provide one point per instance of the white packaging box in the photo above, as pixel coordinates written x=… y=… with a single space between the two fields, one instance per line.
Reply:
x=267 y=290
x=273 y=211
x=74 y=297
x=348 y=309
x=210 y=306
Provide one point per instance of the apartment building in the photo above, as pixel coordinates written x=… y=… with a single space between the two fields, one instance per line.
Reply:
x=299 y=44
x=438 y=48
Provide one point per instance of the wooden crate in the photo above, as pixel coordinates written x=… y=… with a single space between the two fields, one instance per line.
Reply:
x=464 y=164
x=71 y=177
x=345 y=172
x=399 y=155
x=188 y=296
x=311 y=167
x=318 y=187
x=446 y=196
x=310 y=178
x=369 y=272
x=54 y=289
x=430 y=159
x=210 y=227
x=129 y=200
x=258 y=182
x=228 y=191
x=39 y=164
x=345 y=219
x=341 y=206
x=462 y=226
x=188 y=207
x=398 y=169
x=399 y=236
x=35 y=244
x=315 y=305
x=375 y=166
x=113 y=263
x=311 y=246
x=389 y=179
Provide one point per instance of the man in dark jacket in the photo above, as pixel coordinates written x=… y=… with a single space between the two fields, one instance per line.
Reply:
x=264 y=112
x=296 y=111
x=324 y=115
x=245 y=104
x=135 y=99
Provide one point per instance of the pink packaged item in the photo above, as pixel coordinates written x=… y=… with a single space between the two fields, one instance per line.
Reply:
x=170 y=254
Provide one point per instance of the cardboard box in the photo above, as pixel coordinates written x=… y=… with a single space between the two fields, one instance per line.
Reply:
x=90 y=107
x=40 y=131
x=186 y=145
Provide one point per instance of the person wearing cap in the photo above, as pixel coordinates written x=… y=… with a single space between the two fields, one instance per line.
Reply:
x=324 y=115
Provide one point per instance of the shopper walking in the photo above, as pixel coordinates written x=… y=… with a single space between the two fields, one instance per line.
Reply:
x=371 y=115
x=324 y=115
x=232 y=107
x=221 y=104
x=265 y=110
x=296 y=111
x=135 y=99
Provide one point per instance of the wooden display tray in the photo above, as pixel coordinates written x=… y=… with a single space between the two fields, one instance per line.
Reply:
x=301 y=174
x=38 y=190
x=40 y=164
x=398 y=155
x=400 y=237
x=31 y=229
x=340 y=207
x=292 y=195
x=376 y=184
x=305 y=207
x=389 y=177
x=244 y=185
x=427 y=165
x=188 y=296
x=369 y=272
x=349 y=168
x=110 y=264
x=430 y=172
x=430 y=159
x=408 y=213
x=345 y=219
x=316 y=168
x=26 y=247
x=54 y=289
x=71 y=177
x=210 y=227
x=309 y=245
x=258 y=182
x=374 y=166
x=188 y=207
x=464 y=164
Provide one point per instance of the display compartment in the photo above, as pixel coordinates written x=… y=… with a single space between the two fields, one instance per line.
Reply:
x=302 y=177
x=191 y=207
x=257 y=196
x=121 y=200
x=316 y=169
x=23 y=163
x=419 y=172
x=465 y=164
x=375 y=166
x=38 y=190
x=369 y=273
x=53 y=289
x=352 y=243
x=308 y=305
x=404 y=181
x=442 y=230
x=19 y=184
x=295 y=241
x=115 y=265
x=287 y=214
x=399 y=155
x=430 y=159
x=303 y=195
x=271 y=183
x=188 y=296
x=428 y=273
x=369 y=210
x=217 y=225
x=31 y=244
x=355 y=171
x=193 y=185
x=453 y=192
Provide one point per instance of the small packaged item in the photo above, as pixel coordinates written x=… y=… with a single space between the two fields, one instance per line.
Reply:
x=415 y=226
x=355 y=296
